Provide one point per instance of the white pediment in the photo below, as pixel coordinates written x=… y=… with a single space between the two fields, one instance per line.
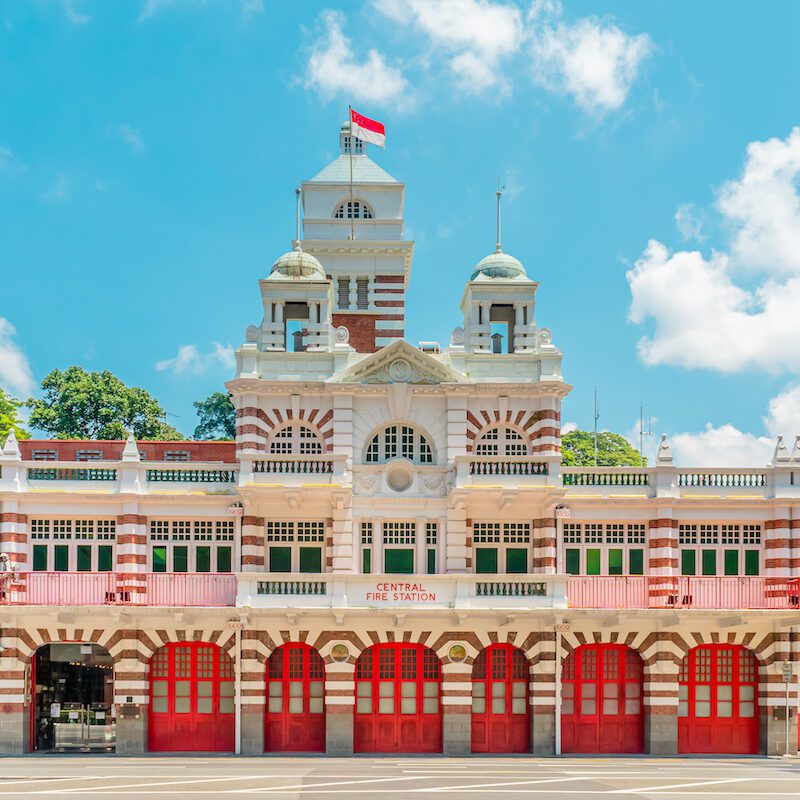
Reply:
x=398 y=363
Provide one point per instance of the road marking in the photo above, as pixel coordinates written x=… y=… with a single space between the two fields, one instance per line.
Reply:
x=343 y=782
x=92 y=789
x=682 y=786
x=50 y=780
x=494 y=785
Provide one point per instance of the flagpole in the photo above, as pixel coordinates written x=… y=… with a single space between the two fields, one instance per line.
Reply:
x=352 y=204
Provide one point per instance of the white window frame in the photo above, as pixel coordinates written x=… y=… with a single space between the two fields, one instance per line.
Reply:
x=483 y=538
x=300 y=438
x=399 y=441
x=73 y=532
x=720 y=536
x=625 y=535
x=191 y=533
x=502 y=440
x=298 y=534
x=355 y=209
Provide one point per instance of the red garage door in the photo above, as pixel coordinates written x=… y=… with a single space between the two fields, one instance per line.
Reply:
x=718 y=700
x=601 y=706
x=397 y=700
x=191 y=698
x=500 y=706
x=295 y=718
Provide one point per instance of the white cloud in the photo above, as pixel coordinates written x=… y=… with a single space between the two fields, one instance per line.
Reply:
x=59 y=190
x=333 y=70
x=15 y=371
x=152 y=7
x=689 y=223
x=702 y=318
x=476 y=34
x=726 y=445
x=568 y=427
x=73 y=15
x=764 y=207
x=6 y=158
x=190 y=361
x=592 y=60
x=10 y=163
x=129 y=135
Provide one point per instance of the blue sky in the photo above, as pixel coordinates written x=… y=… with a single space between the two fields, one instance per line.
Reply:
x=149 y=151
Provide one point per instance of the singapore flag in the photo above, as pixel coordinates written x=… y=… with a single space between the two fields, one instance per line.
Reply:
x=366 y=129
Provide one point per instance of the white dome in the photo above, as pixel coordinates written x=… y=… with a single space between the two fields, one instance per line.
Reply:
x=297 y=265
x=499 y=265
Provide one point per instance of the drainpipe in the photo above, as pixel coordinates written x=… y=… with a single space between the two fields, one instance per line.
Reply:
x=558 y=690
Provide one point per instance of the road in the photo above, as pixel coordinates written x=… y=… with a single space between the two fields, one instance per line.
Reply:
x=561 y=778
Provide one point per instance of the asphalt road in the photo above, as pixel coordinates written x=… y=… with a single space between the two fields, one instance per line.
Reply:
x=561 y=778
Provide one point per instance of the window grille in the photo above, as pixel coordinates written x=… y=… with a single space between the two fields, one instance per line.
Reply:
x=731 y=534
x=44 y=455
x=310 y=531
x=431 y=532
x=224 y=530
x=391 y=442
x=176 y=455
x=181 y=530
x=159 y=530
x=366 y=533
x=203 y=530
x=296 y=439
x=517 y=533
x=106 y=529
x=593 y=533
x=615 y=533
x=486 y=532
x=358 y=145
x=572 y=532
x=362 y=293
x=344 y=293
x=62 y=529
x=89 y=455
x=278 y=531
x=751 y=534
x=687 y=534
x=501 y=440
x=84 y=529
x=357 y=209
x=636 y=533
x=399 y=532
x=709 y=534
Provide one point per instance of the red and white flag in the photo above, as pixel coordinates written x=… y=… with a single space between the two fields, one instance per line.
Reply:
x=366 y=129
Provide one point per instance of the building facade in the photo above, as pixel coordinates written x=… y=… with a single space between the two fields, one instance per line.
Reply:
x=391 y=557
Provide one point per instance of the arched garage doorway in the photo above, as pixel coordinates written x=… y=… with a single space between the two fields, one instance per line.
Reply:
x=295 y=717
x=718 y=700
x=398 y=709
x=601 y=706
x=191 y=699
x=72 y=686
x=500 y=704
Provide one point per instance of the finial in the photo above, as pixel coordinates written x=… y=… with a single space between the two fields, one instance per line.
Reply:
x=781 y=453
x=664 y=454
x=498 y=248
x=11 y=447
x=297 y=246
x=131 y=451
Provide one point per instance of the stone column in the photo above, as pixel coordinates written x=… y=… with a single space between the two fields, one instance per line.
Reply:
x=541 y=650
x=255 y=649
x=377 y=547
x=253 y=551
x=662 y=558
x=131 y=690
x=339 y=706
x=544 y=546
x=420 y=546
x=132 y=550
x=456 y=708
x=661 y=699
x=15 y=708
x=457 y=550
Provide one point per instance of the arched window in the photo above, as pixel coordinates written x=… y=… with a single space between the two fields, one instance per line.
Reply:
x=296 y=439
x=355 y=209
x=399 y=441
x=501 y=440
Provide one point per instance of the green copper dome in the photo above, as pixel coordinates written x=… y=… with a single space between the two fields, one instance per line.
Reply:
x=297 y=265
x=499 y=265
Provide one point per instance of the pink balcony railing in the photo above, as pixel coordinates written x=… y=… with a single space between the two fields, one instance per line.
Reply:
x=639 y=591
x=117 y=588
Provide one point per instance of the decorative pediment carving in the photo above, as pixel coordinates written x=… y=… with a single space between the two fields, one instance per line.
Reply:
x=398 y=363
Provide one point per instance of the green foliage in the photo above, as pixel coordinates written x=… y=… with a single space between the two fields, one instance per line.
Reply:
x=613 y=450
x=77 y=404
x=217 y=417
x=9 y=417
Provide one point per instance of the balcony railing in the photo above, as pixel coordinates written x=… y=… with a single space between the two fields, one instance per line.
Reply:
x=71 y=474
x=191 y=475
x=621 y=477
x=721 y=480
x=118 y=589
x=296 y=465
x=507 y=466
x=650 y=592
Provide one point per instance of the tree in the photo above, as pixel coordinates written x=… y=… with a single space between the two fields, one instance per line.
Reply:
x=9 y=417
x=217 y=417
x=77 y=404
x=613 y=450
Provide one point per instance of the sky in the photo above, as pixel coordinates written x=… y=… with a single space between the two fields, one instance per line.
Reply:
x=650 y=152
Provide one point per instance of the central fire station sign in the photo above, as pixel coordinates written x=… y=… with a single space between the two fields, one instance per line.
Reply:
x=393 y=592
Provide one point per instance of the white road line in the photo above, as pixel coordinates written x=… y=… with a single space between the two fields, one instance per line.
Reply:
x=343 y=782
x=93 y=789
x=50 y=780
x=494 y=785
x=663 y=789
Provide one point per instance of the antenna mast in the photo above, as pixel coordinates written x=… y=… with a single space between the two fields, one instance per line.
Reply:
x=297 y=216
x=643 y=432
x=498 y=248
x=596 y=417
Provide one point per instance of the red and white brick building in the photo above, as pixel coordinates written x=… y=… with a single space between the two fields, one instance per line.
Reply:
x=391 y=556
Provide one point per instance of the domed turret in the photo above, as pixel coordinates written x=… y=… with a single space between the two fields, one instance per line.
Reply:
x=297 y=265
x=499 y=265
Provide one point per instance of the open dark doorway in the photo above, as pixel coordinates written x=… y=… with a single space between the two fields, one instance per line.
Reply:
x=73 y=695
